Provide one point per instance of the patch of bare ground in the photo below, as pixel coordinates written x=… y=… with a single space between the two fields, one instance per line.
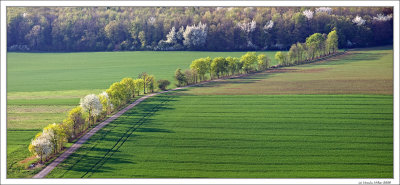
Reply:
x=27 y=160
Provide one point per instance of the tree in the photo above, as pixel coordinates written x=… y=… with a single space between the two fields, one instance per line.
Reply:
x=145 y=77
x=139 y=84
x=301 y=52
x=151 y=82
x=41 y=146
x=163 y=84
x=105 y=101
x=248 y=60
x=91 y=104
x=171 y=36
x=115 y=31
x=263 y=62
x=309 y=14
x=219 y=66
x=74 y=123
x=282 y=58
x=142 y=38
x=35 y=36
x=57 y=136
x=180 y=77
x=190 y=76
x=332 y=42
x=315 y=43
x=195 y=36
x=201 y=66
x=129 y=88
x=293 y=54
x=233 y=64
x=117 y=94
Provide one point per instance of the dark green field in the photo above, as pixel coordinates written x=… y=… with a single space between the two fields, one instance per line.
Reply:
x=242 y=136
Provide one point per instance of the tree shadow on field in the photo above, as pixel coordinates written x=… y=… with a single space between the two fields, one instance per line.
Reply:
x=86 y=162
x=247 y=79
x=117 y=133
x=349 y=58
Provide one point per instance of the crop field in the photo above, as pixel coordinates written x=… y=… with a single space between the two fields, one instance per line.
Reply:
x=252 y=128
x=361 y=71
x=33 y=72
x=244 y=136
x=42 y=87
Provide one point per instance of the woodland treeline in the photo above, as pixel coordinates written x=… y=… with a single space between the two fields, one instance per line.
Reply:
x=60 y=29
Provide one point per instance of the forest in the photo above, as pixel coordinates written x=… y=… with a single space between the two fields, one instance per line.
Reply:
x=72 y=29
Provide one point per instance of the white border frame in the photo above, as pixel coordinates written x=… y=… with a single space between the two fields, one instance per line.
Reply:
x=394 y=4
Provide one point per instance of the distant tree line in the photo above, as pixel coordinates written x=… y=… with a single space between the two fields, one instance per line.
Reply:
x=92 y=108
x=191 y=28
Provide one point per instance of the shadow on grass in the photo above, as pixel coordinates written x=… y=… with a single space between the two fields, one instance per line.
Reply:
x=349 y=58
x=114 y=135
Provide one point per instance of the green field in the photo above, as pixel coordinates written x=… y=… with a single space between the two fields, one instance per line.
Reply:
x=42 y=87
x=242 y=128
x=336 y=115
x=33 y=72
x=242 y=136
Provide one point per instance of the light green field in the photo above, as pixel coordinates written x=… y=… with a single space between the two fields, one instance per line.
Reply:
x=33 y=72
x=42 y=87
x=241 y=128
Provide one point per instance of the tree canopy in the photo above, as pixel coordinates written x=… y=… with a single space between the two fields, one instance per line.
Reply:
x=191 y=28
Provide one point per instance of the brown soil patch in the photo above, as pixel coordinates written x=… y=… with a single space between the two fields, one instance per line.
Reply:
x=27 y=159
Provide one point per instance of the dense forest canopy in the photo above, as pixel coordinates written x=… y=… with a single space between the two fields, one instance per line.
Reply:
x=191 y=28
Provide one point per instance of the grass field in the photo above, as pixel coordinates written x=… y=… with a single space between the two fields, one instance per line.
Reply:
x=230 y=128
x=241 y=128
x=33 y=72
x=244 y=136
x=42 y=87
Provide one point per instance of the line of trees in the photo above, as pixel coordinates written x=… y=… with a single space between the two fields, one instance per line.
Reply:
x=221 y=67
x=92 y=108
x=317 y=45
x=191 y=28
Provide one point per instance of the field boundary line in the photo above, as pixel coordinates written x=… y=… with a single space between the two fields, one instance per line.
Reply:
x=98 y=127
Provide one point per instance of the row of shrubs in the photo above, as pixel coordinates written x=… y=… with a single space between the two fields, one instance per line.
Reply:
x=92 y=108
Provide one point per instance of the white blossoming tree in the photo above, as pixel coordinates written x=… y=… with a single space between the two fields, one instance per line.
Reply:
x=42 y=146
x=326 y=10
x=381 y=17
x=92 y=105
x=358 y=20
x=171 y=36
x=195 y=36
x=268 y=26
x=247 y=28
x=309 y=14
